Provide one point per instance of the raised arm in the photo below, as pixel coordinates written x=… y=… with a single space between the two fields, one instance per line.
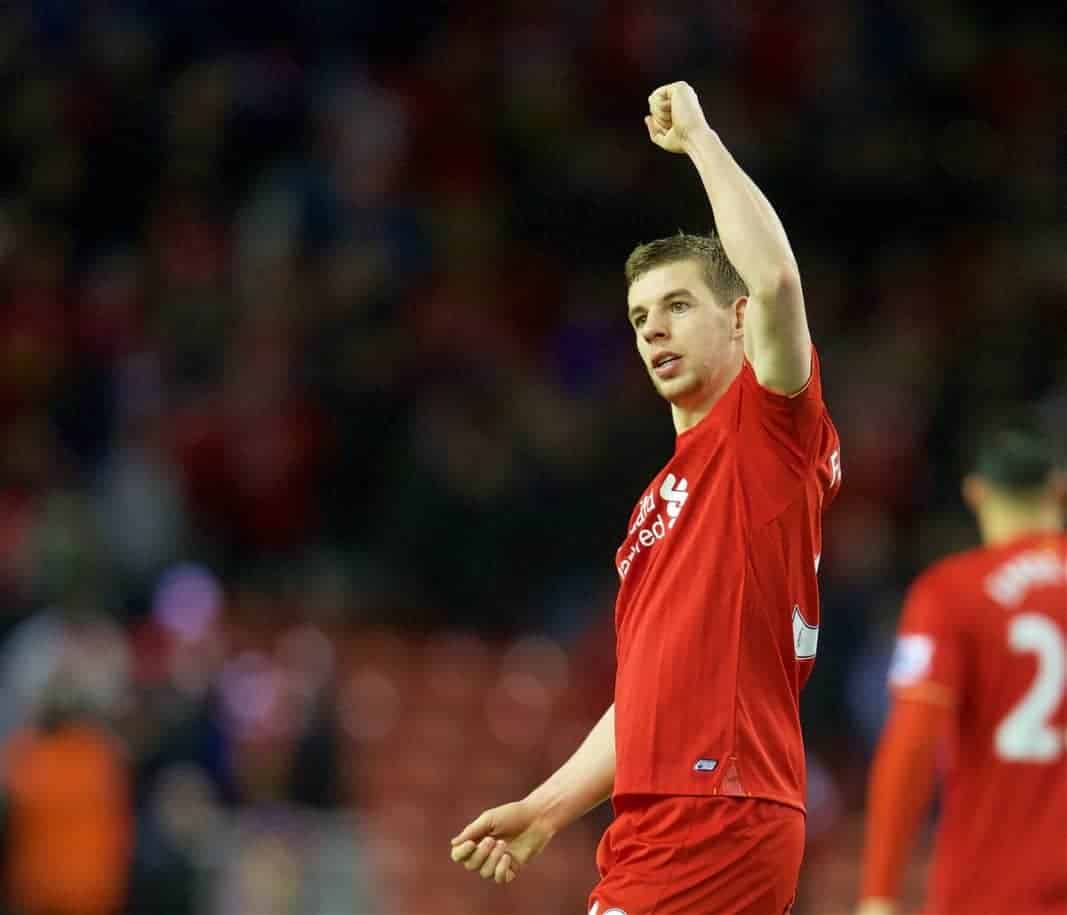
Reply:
x=501 y=840
x=777 y=339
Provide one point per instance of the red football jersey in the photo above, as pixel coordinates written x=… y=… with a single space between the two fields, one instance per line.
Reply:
x=985 y=632
x=717 y=615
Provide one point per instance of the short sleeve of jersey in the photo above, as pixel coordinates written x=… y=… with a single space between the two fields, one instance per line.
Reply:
x=791 y=424
x=928 y=658
x=785 y=438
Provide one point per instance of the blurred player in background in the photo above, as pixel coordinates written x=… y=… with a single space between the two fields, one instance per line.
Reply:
x=718 y=610
x=979 y=678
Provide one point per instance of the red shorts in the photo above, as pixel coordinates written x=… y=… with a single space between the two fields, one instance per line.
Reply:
x=698 y=856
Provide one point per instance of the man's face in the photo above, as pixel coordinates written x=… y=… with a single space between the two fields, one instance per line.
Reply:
x=685 y=338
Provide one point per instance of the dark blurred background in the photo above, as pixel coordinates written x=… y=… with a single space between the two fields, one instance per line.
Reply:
x=321 y=419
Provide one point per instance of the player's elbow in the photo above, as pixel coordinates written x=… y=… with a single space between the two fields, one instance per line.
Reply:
x=779 y=283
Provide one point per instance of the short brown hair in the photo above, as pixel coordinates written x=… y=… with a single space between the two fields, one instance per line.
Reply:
x=720 y=275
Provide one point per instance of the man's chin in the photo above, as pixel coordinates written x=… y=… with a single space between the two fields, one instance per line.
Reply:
x=675 y=390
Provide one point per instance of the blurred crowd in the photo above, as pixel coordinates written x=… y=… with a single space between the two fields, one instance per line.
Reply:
x=319 y=409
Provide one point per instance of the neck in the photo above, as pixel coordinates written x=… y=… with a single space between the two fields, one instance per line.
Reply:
x=1005 y=523
x=687 y=413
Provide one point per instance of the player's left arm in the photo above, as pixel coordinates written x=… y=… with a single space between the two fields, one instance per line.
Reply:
x=899 y=792
x=777 y=338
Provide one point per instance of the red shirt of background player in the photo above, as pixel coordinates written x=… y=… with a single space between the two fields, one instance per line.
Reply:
x=983 y=637
x=718 y=608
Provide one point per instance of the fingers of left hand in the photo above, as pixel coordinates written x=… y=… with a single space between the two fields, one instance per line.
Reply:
x=488 y=870
x=503 y=872
x=477 y=859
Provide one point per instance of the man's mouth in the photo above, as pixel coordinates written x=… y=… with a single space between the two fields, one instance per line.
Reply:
x=665 y=364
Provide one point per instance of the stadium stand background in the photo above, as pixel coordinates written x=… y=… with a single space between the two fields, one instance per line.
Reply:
x=321 y=419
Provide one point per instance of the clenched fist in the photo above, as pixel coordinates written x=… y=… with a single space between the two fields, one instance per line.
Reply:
x=674 y=116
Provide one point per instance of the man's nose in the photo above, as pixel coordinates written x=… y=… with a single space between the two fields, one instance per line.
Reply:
x=655 y=328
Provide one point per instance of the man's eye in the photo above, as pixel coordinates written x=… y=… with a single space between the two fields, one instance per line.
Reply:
x=679 y=307
x=639 y=320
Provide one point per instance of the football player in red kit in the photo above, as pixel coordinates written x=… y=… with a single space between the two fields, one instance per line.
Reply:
x=979 y=679
x=717 y=615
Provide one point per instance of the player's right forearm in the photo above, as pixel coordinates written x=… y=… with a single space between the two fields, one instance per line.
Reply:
x=751 y=232
x=583 y=782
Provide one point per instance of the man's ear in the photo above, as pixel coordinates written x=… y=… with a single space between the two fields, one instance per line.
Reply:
x=974 y=491
x=739 y=307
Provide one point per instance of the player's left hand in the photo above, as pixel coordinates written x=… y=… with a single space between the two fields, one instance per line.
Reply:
x=674 y=117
